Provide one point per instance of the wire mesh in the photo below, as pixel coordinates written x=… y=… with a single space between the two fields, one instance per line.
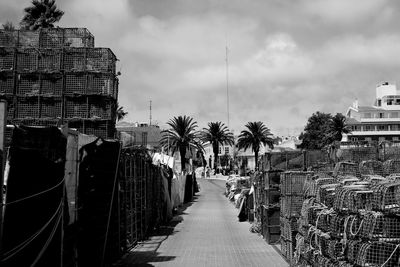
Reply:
x=75 y=83
x=6 y=82
x=291 y=205
x=378 y=254
x=28 y=84
x=100 y=60
x=27 y=107
x=27 y=60
x=74 y=59
x=51 y=84
x=101 y=108
x=76 y=108
x=292 y=182
x=102 y=84
x=49 y=38
x=101 y=128
x=51 y=107
x=49 y=60
x=6 y=58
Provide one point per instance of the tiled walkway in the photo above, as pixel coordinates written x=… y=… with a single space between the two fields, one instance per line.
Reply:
x=206 y=233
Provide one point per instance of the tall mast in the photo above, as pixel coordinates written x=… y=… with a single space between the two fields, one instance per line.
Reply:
x=227 y=82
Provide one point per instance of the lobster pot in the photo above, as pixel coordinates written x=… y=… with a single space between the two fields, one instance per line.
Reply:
x=377 y=226
x=386 y=197
x=6 y=83
x=100 y=107
x=51 y=84
x=74 y=59
x=101 y=60
x=6 y=58
x=287 y=249
x=326 y=194
x=353 y=248
x=391 y=166
x=101 y=128
x=27 y=60
x=292 y=182
x=314 y=183
x=49 y=60
x=371 y=167
x=75 y=84
x=291 y=206
x=102 y=84
x=8 y=38
x=377 y=254
x=288 y=228
x=272 y=179
x=27 y=107
x=345 y=168
x=271 y=198
x=76 y=107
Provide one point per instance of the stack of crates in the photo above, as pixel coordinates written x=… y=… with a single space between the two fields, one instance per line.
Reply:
x=57 y=76
x=270 y=206
x=291 y=185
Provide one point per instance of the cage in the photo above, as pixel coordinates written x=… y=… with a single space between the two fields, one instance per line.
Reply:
x=6 y=82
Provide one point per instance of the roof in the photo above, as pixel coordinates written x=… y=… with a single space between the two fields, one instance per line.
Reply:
x=369 y=108
x=352 y=121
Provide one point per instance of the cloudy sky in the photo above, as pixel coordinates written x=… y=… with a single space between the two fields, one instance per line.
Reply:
x=287 y=59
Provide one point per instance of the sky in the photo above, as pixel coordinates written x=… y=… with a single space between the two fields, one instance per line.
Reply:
x=286 y=59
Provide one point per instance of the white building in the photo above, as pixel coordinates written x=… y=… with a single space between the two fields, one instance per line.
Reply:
x=378 y=122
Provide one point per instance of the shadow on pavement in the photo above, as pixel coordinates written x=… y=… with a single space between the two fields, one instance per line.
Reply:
x=146 y=252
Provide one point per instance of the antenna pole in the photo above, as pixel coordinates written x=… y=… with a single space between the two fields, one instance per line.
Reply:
x=150 y=112
x=227 y=83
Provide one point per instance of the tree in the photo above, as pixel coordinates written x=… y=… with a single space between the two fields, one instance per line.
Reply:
x=338 y=127
x=217 y=134
x=8 y=26
x=315 y=132
x=181 y=137
x=323 y=129
x=121 y=113
x=41 y=14
x=255 y=135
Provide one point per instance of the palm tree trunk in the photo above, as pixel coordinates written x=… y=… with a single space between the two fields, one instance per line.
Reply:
x=182 y=153
x=215 y=150
x=256 y=159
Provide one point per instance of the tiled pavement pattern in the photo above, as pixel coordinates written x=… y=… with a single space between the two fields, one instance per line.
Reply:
x=206 y=233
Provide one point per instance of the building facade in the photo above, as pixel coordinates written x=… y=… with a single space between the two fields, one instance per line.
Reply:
x=378 y=122
x=140 y=134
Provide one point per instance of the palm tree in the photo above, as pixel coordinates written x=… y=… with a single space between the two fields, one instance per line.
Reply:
x=217 y=134
x=121 y=113
x=256 y=135
x=338 y=127
x=181 y=136
x=42 y=14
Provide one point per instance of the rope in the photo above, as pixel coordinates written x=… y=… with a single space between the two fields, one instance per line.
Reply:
x=22 y=245
x=359 y=228
x=391 y=255
x=110 y=210
x=48 y=240
x=34 y=195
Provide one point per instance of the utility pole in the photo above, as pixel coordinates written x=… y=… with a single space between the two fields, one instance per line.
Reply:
x=227 y=82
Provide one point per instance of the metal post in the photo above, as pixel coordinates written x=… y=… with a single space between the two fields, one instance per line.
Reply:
x=3 y=122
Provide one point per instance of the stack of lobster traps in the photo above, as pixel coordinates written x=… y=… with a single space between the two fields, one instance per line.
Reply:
x=56 y=76
x=291 y=186
x=351 y=218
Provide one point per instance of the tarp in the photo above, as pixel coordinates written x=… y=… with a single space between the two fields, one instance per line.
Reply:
x=34 y=197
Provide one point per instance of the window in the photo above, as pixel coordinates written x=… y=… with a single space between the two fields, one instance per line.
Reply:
x=144 y=139
x=395 y=138
x=368 y=128
x=219 y=150
x=381 y=128
x=381 y=115
x=227 y=150
x=354 y=139
x=368 y=139
x=379 y=102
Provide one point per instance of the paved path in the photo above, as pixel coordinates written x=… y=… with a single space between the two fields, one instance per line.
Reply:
x=207 y=233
